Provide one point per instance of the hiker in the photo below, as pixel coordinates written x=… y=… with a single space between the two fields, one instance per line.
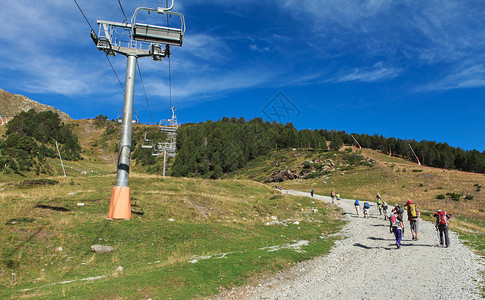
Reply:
x=413 y=218
x=332 y=195
x=379 y=203
x=338 y=198
x=357 y=205
x=397 y=227
x=384 y=208
x=442 y=223
x=398 y=210
x=366 y=209
x=311 y=192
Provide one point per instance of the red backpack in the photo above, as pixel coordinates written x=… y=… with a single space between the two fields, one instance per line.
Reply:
x=394 y=221
x=442 y=217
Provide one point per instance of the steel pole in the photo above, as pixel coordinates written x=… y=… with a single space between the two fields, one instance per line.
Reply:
x=126 y=125
x=164 y=161
x=119 y=206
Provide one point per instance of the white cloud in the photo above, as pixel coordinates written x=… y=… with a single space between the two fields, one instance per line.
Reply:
x=467 y=75
x=377 y=72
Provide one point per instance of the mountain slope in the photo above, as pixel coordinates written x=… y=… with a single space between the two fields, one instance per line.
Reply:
x=12 y=104
x=365 y=173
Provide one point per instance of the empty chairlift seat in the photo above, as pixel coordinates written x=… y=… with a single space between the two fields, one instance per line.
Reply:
x=168 y=128
x=157 y=34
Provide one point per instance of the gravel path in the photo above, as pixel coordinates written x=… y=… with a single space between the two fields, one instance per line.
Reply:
x=367 y=265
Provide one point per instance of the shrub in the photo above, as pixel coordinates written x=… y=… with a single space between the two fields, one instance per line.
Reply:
x=454 y=196
x=417 y=170
x=469 y=197
x=441 y=197
x=421 y=185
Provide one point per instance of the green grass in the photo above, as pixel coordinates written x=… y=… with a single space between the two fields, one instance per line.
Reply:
x=210 y=218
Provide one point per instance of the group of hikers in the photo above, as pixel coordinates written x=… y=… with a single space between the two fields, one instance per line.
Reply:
x=335 y=196
x=396 y=224
x=396 y=221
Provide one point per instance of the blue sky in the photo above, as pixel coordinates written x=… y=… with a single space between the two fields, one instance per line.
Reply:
x=408 y=69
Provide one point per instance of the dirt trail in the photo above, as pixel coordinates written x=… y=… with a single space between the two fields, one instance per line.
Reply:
x=367 y=265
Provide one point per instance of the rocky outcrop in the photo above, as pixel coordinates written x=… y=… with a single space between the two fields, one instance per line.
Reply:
x=282 y=175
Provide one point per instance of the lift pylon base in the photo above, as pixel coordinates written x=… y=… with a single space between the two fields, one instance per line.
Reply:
x=119 y=206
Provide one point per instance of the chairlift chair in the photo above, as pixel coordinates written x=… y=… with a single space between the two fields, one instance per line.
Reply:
x=146 y=144
x=158 y=34
x=169 y=126
x=120 y=117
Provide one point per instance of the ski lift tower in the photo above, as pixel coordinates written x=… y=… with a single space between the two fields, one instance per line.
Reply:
x=169 y=127
x=134 y=40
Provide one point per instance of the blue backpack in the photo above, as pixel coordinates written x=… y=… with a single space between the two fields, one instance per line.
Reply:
x=356 y=202
x=366 y=205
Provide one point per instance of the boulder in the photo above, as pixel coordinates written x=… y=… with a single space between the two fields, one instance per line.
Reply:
x=101 y=248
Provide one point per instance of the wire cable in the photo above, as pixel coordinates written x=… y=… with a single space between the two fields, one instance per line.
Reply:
x=123 y=11
x=169 y=83
x=83 y=15
x=112 y=68
x=169 y=71
x=143 y=85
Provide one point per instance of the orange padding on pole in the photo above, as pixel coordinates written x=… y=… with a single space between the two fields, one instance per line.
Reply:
x=119 y=206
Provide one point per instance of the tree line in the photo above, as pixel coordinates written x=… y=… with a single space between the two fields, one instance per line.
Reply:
x=210 y=149
x=429 y=153
x=30 y=139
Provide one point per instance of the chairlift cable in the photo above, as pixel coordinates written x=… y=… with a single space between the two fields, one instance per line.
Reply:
x=105 y=53
x=83 y=15
x=143 y=85
x=112 y=68
x=170 y=82
x=169 y=71
x=122 y=10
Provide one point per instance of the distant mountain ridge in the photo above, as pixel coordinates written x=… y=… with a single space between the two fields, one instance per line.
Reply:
x=12 y=104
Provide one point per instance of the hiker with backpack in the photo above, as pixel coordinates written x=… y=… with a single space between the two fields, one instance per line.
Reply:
x=442 y=224
x=357 y=205
x=397 y=227
x=366 y=210
x=338 y=198
x=332 y=195
x=379 y=203
x=398 y=210
x=413 y=218
x=311 y=192
x=384 y=208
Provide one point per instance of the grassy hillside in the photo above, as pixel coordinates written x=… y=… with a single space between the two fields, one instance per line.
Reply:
x=191 y=237
x=187 y=237
x=396 y=179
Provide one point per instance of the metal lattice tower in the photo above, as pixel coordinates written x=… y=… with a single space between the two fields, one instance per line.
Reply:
x=134 y=40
